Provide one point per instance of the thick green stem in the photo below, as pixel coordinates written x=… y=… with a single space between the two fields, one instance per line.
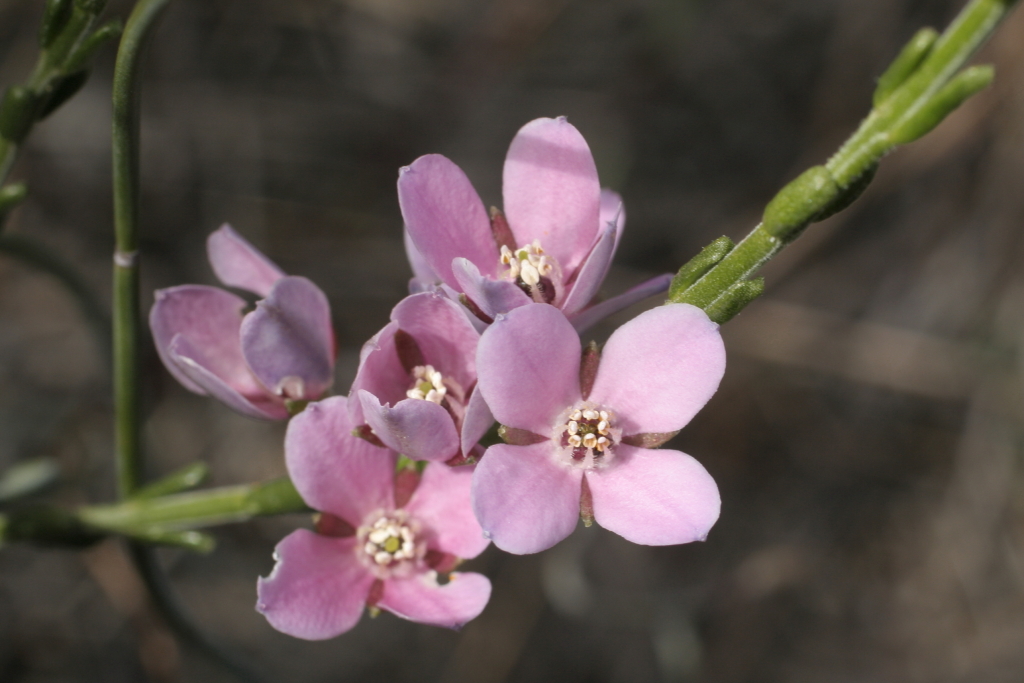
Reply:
x=126 y=263
x=923 y=86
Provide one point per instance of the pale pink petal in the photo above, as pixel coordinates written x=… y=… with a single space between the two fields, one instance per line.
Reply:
x=477 y=421
x=259 y=403
x=334 y=471
x=380 y=372
x=237 y=263
x=551 y=190
x=612 y=209
x=443 y=333
x=491 y=296
x=659 y=369
x=441 y=504
x=212 y=315
x=418 y=429
x=524 y=499
x=424 y=279
x=445 y=217
x=317 y=589
x=654 y=497
x=529 y=365
x=287 y=341
x=420 y=598
x=588 y=317
x=592 y=272
x=196 y=331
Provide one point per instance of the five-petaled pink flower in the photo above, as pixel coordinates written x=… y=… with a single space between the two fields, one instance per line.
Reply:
x=582 y=428
x=382 y=542
x=283 y=350
x=553 y=244
x=422 y=368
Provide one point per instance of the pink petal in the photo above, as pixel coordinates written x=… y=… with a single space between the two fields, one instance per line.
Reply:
x=659 y=369
x=237 y=263
x=525 y=500
x=588 y=317
x=334 y=471
x=288 y=342
x=317 y=588
x=654 y=497
x=419 y=598
x=424 y=278
x=443 y=333
x=418 y=429
x=551 y=190
x=441 y=504
x=477 y=421
x=380 y=372
x=529 y=364
x=196 y=332
x=612 y=209
x=445 y=217
x=593 y=272
x=491 y=296
x=259 y=403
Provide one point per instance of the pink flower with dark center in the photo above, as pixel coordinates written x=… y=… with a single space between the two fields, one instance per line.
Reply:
x=553 y=244
x=255 y=362
x=416 y=383
x=580 y=428
x=381 y=539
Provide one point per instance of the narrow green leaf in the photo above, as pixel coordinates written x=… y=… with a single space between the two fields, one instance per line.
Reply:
x=55 y=17
x=961 y=87
x=184 y=479
x=735 y=299
x=17 y=113
x=696 y=267
x=796 y=205
x=913 y=53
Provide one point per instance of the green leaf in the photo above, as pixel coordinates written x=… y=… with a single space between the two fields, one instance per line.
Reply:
x=949 y=97
x=696 y=267
x=913 y=53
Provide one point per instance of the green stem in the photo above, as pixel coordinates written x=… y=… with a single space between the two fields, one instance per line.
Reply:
x=195 y=509
x=127 y=321
x=931 y=88
x=39 y=257
x=8 y=152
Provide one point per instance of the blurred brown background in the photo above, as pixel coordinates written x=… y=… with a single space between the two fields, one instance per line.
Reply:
x=867 y=437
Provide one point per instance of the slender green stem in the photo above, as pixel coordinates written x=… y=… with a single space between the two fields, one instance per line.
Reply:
x=8 y=152
x=196 y=509
x=915 y=94
x=126 y=263
x=45 y=260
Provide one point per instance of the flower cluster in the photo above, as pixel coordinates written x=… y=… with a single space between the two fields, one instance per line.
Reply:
x=489 y=332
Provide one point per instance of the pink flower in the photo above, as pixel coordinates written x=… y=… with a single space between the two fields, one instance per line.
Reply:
x=253 y=362
x=382 y=543
x=582 y=428
x=555 y=247
x=422 y=368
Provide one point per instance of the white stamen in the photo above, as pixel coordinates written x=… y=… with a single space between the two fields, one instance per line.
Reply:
x=529 y=273
x=576 y=415
x=590 y=414
x=575 y=441
x=589 y=441
x=574 y=426
x=602 y=427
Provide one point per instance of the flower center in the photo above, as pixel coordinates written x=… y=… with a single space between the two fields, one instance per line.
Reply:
x=533 y=270
x=588 y=436
x=428 y=384
x=389 y=541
